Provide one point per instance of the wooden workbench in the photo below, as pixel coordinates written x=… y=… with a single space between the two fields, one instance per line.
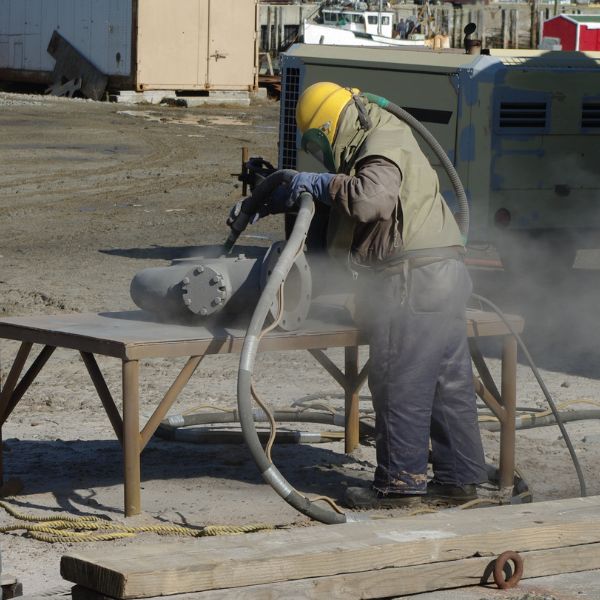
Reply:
x=134 y=335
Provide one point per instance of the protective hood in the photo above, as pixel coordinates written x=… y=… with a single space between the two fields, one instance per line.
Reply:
x=353 y=130
x=315 y=143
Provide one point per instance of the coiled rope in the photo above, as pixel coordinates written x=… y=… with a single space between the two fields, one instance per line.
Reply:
x=66 y=528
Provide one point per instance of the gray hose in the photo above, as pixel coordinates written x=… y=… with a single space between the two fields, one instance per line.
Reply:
x=259 y=416
x=268 y=470
x=463 y=204
x=531 y=421
x=545 y=391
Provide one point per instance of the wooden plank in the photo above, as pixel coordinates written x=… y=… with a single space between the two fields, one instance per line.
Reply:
x=195 y=565
x=396 y=581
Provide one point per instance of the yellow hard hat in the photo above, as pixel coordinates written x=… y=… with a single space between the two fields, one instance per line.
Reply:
x=320 y=107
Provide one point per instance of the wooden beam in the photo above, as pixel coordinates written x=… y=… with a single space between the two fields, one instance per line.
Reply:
x=325 y=551
x=386 y=583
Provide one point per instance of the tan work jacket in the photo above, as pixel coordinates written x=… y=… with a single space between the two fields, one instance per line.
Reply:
x=422 y=219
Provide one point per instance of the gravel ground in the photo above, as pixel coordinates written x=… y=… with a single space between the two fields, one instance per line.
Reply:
x=90 y=193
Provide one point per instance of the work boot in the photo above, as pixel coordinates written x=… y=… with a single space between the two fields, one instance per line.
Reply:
x=450 y=493
x=365 y=498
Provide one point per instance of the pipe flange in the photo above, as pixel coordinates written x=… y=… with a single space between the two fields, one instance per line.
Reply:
x=204 y=290
x=297 y=291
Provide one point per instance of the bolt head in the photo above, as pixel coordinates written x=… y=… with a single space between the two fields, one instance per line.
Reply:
x=203 y=312
x=198 y=270
x=185 y=280
x=217 y=301
x=187 y=301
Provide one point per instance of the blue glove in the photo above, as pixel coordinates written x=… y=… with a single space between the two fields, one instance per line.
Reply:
x=316 y=184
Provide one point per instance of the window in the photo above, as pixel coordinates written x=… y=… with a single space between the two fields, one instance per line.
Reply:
x=385 y=20
x=372 y=19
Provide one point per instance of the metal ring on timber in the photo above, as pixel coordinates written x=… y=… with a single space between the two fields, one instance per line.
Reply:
x=499 y=566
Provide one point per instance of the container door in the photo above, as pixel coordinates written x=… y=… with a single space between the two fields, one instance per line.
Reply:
x=231 y=44
x=172 y=44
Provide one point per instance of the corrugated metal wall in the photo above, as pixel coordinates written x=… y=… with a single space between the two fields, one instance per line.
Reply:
x=99 y=29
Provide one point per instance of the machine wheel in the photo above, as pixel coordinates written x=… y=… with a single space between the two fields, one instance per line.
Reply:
x=541 y=256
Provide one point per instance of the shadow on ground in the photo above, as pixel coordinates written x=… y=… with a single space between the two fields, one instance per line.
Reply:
x=173 y=252
x=61 y=467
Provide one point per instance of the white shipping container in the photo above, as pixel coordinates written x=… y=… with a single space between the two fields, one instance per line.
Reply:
x=99 y=29
x=140 y=44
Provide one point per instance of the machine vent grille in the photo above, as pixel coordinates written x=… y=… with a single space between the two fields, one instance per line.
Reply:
x=523 y=115
x=590 y=114
x=290 y=93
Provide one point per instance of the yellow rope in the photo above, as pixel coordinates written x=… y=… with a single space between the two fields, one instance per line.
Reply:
x=13 y=512
x=65 y=528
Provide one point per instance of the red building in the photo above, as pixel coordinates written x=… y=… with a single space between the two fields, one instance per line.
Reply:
x=575 y=32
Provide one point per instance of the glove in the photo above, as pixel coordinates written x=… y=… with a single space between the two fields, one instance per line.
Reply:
x=278 y=202
x=316 y=184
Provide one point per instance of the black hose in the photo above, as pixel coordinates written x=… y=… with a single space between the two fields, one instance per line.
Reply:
x=206 y=435
x=278 y=276
x=251 y=205
x=549 y=400
x=463 y=204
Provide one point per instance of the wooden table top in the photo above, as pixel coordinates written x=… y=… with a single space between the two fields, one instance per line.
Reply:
x=131 y=335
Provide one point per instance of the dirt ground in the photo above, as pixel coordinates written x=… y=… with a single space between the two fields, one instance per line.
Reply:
x=90 y=193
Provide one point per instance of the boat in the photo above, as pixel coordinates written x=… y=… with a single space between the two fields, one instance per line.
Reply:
x=355 y=24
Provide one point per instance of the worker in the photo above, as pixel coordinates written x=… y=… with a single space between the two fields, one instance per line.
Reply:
x=389 y=223
x=401 y=29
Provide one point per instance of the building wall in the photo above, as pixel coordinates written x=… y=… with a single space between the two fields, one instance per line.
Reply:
x=180 y=44
x=589 y=38
x=99 y=29
x=564 y=30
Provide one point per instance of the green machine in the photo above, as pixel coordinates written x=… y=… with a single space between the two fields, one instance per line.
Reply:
x=522 y=128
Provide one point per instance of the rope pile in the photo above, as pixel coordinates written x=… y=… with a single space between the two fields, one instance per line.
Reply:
x=66 y=528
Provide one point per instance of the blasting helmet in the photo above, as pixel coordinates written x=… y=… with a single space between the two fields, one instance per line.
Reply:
x=320 y=106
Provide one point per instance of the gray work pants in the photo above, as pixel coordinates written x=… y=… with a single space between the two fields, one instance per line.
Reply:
x=421 y=378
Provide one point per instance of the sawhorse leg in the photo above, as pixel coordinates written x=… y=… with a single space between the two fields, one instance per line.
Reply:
x=131 y=436
x=351 y=399
x=135 y=441
x=351 y=381
x=13 y=390
x=509 y=403
x=502 y=403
